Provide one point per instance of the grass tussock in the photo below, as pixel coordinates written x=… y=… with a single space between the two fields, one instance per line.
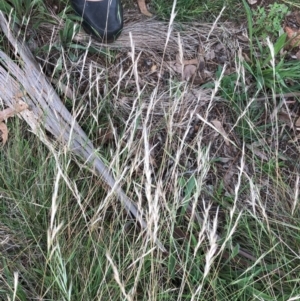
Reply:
x=212 y=161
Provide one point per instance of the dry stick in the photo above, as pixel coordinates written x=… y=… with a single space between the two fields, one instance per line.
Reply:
x=47 y=110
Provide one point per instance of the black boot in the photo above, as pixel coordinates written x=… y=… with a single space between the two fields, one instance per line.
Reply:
x=103 y=19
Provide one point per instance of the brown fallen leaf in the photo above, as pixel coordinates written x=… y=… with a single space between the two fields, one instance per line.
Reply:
x=189 y=71
x=185 y=69
x=183 y=61
x=153 y=68
x=3 y=133
x=6 y=113
x=210 y=55
x=186 y=62
x=243 y=38
x=292 y=28
x=218 y=125
x=285 y=118
x=143 y=8
x=191 y=62
x=293 y=36
x=10 y=112
x=257 y=152
x=177 y=67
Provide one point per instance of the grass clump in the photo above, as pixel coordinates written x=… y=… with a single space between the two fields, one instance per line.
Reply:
x=215 y=170
x=198 y=10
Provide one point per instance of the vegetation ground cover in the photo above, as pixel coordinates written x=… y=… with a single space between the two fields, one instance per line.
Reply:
x=212 y=157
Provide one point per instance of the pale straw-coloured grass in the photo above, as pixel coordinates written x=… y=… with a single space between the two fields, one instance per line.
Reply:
x=214 y=207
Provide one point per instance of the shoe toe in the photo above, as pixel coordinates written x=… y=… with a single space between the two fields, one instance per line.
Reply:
x=103 y=19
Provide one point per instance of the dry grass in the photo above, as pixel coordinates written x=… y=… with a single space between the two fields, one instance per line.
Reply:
x=203 y=164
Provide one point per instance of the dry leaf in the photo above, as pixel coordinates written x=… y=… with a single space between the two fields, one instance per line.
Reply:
x=285 y=118
x=177 y=67
x=189 y=71
x=243 y=38
x=190 y=62
x=183 y=62
x=143 y=8
x=257 y=152
x=210 y=55
x=185 y=69
x=153 y=68
x=218 y=125
x=10 y=112
x=186 y=62
x=246 y=57
x=3 y=133
x=293 y=36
